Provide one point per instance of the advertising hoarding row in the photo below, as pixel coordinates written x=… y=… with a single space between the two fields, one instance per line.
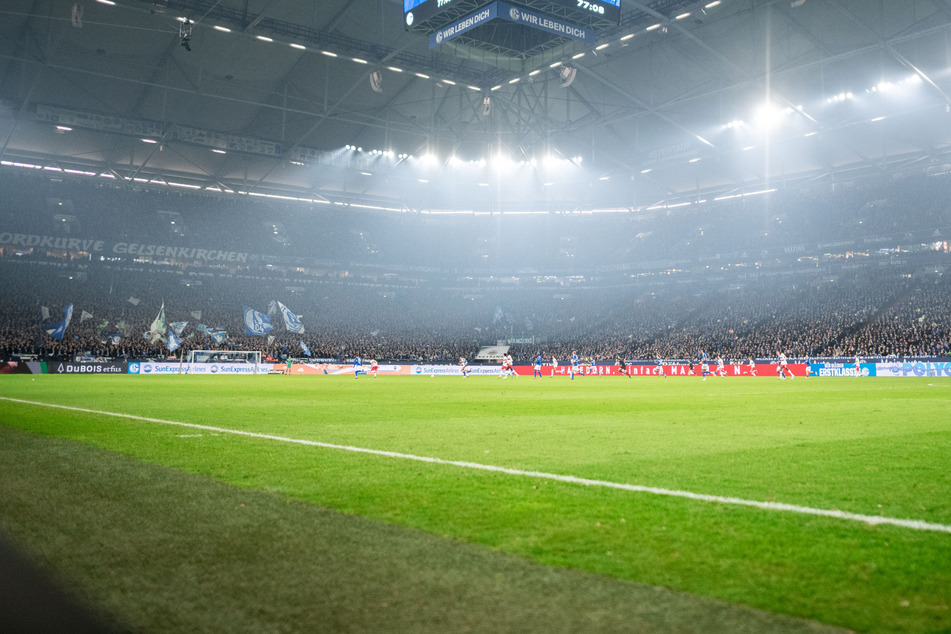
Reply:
x=157 y=368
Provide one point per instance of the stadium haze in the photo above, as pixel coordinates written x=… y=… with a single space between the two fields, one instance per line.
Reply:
x=682 y=296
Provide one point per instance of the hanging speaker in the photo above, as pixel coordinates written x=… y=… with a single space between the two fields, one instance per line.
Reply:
x=376 y=81
x=567 y=75
x=77 y=16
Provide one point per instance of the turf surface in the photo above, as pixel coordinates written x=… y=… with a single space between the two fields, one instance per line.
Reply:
x=875 y=446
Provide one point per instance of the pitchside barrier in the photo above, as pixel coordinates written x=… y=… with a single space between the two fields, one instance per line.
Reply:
x=931 y=368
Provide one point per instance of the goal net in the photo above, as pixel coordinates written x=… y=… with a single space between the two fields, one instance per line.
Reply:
x=224 y=356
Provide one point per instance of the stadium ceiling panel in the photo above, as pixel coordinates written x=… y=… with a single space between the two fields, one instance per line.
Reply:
x=667 y=101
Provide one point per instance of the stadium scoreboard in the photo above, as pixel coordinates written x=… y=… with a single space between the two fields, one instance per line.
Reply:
x=417 y=11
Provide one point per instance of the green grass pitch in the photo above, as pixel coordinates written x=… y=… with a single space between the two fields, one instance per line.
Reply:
x=171 y=528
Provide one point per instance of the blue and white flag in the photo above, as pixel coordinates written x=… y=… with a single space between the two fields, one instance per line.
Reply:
x=115 y=338
x=256 y=323
x=303 y=346
x=158 y=327
x=291 y=321
x=203 y=328
x=498 y=315
x=272 y=307
x=218 y=336
x=178 y=326
x=58 y=330
x=173 y=341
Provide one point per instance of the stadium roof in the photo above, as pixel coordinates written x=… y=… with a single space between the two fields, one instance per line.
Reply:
x=670 y=103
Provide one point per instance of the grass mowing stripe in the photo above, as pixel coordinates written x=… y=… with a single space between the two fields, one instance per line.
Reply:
x=769 y=506
x=191 y=554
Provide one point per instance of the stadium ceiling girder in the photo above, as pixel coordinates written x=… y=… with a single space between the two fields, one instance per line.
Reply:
x=524 y=118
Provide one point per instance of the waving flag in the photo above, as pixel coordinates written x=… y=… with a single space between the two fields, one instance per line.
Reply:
x=303 y=346
x=256 y=323
x=44 y=313
x=134 y=301
x=115 y=338
x=196 y=314
x=84 y=316
x=158 y=327
x=291 y=321
x=178 y=326
x=173 y=342
x=57 y=331
x=218 y=336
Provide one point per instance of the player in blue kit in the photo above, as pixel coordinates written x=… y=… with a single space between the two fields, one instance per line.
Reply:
x=660 y=366
x=575 y=361
x=357 y=367
x=537 y=374
x=704 y=365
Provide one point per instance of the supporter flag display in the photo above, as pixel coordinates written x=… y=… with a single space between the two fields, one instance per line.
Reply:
x=218 y=336
x=173 y=341
x=84 y=316
x=115 y=338
x=291 y=321
x=134 y=301
x=44 y=313
x=196 y=314
x=158 y=328
x=58 y=330
x=178 y=326
x=256 y=323
x=303 y=346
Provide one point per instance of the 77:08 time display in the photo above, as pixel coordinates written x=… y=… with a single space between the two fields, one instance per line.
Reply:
x=590 y=6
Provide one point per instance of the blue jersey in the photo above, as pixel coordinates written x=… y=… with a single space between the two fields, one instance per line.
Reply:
x=658 y=361
x=703 y=357
x=538 y=360
x=574 y=360
x=358 y=362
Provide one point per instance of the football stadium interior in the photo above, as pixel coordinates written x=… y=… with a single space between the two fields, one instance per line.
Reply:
x=637 y=183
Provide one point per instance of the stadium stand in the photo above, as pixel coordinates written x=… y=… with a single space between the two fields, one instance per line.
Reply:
x=816 y=274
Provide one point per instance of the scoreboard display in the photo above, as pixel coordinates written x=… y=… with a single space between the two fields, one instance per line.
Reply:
x=416 y=11
x=608 y=9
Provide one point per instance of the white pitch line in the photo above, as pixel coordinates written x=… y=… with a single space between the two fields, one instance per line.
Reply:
x=919 y=525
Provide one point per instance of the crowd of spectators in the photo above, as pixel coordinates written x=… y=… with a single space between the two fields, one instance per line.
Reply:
x=565 y=283
x=868 y=313
x=560 y=243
